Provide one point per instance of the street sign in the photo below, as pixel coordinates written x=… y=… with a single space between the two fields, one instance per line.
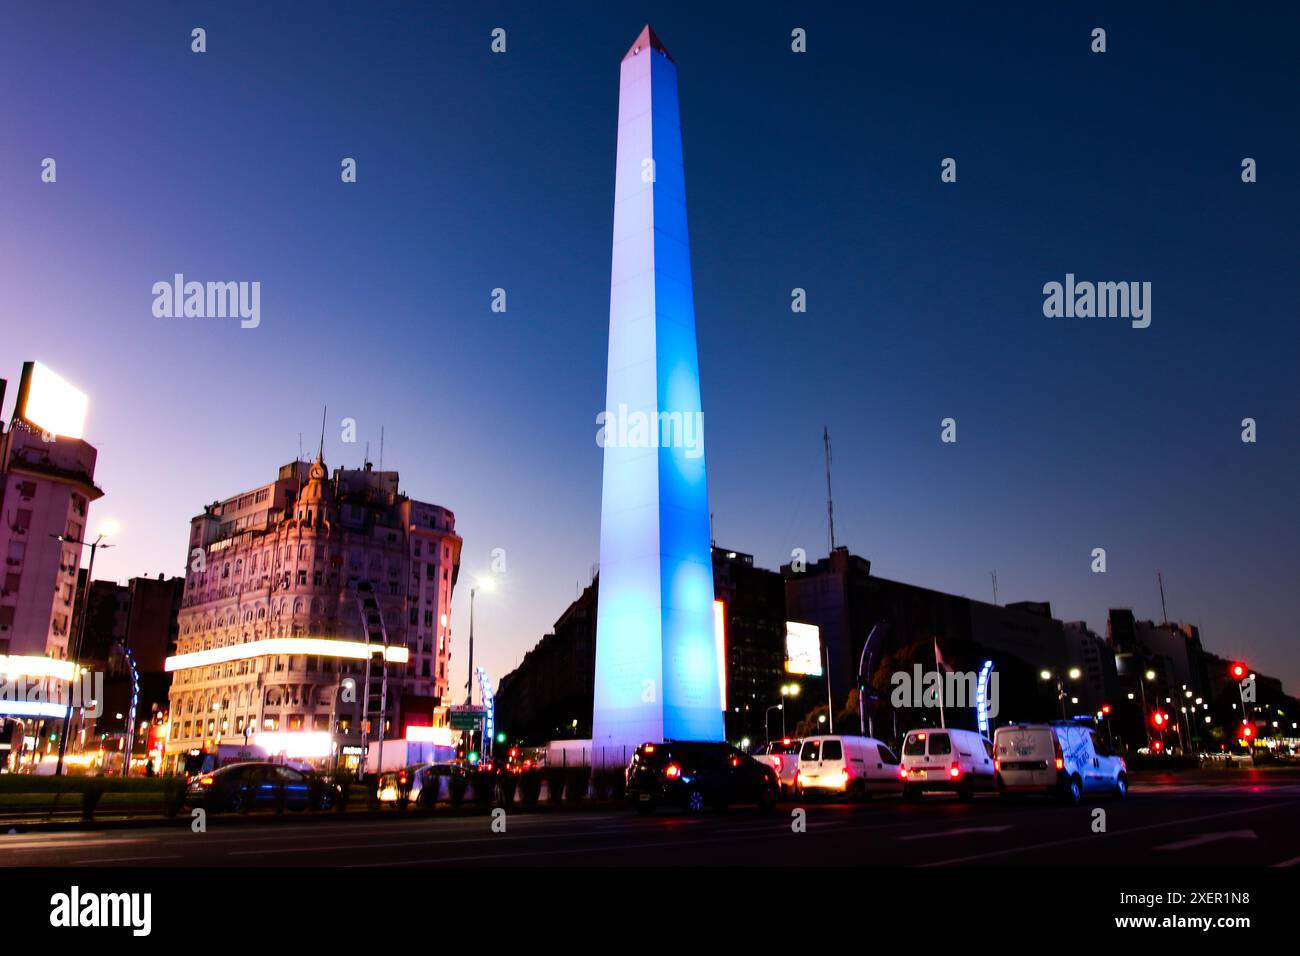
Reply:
x=465 y=718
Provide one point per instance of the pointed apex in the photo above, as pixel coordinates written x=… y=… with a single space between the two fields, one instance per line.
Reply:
x=648 y=40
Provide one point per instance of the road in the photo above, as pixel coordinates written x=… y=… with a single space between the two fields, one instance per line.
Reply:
x=1160 y=823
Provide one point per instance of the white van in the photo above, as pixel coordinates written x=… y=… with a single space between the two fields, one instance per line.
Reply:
x=783 y=757
x=959 y=761
x=858 y=767
x=1063 y=757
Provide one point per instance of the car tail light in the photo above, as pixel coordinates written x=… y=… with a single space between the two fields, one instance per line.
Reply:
x=648 y=748
x=902 y=772
x=401 y=779
x=672 y=771
x=1060 y=763
x=954 y=771
x=778 y=764
x=205 y=781
x=997 y=764
x=798 y=775
x=1056 y=748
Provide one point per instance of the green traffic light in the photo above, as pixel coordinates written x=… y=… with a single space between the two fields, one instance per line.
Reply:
x=501 y=738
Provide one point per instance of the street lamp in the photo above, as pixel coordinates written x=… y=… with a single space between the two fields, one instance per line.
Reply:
x=766 y=714
x=1073 y=674
x=107 y=528
x=787 y=690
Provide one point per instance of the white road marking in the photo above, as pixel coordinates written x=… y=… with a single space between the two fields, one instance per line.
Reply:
x=1205 y=838
x=958 y=832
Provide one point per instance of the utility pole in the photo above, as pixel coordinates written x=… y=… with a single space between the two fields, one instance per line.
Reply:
x=80 y=636
x=994 y=576
x=1163 y=611
x=830 y=499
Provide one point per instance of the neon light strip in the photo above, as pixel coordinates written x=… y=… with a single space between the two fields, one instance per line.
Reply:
x=309 y=646
x=26 y=708
x=36 y=667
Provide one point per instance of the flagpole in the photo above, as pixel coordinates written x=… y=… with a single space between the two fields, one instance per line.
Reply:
x=943 y=723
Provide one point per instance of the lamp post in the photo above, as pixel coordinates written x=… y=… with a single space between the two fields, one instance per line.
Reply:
x=81 y=631
x=1148 y=675
x=487 y=584
x=767 y=714
x=787 y=690
x=1074 y=674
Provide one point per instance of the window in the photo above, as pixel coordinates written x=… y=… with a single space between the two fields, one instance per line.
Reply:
x=940 y=745
x=886 y=755
x=22 y=520
x=914 y=746
x=811 y=750
x=832 y=750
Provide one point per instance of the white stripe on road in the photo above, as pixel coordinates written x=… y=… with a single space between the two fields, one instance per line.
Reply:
x=949 y=833
x=1093 y=836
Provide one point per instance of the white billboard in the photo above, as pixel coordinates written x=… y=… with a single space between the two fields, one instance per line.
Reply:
x=803 y=649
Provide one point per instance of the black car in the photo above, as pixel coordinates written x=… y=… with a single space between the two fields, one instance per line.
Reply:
x=695 y=774
x=260 y=785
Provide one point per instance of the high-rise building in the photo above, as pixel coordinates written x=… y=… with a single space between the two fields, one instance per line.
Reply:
x=47 y=482
x=296 y=591
x=656 y=658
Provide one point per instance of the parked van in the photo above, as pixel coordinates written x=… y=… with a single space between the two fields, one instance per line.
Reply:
x=1062 y=757
x=858 y=767
x=959 y=761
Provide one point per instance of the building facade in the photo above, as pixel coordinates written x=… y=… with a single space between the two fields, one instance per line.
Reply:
x=331 y=569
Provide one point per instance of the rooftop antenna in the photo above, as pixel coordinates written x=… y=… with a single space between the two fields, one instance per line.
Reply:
x=321 y=454
x=381 y=447
x=1163 y=610
x=366 y=460
x=994 y=576
x=830 y=503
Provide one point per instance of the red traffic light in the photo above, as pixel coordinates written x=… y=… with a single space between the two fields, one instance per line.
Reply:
x=1247 y=731
x=1105 y=709
x=1158 y=719
x=1158 y=745
x=1238 y=670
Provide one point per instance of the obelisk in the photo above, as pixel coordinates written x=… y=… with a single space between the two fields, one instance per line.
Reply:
x=656 y=659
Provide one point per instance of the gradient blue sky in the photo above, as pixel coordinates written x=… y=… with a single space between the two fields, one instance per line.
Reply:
x=819 y=171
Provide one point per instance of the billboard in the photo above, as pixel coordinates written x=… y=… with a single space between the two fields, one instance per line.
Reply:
x=49 y=403
x=803 y=649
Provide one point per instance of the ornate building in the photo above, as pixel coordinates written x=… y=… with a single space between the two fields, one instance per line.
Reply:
x=292 y=592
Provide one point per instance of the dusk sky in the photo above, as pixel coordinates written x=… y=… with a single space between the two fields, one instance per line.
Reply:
x=818 y=170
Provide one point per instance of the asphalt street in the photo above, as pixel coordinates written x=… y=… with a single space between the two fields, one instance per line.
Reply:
x=1161 y=823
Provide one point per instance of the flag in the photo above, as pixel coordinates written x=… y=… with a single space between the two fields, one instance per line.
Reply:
x=939 y=663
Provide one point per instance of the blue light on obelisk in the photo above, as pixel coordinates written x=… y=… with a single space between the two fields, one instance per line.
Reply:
x=656 y=660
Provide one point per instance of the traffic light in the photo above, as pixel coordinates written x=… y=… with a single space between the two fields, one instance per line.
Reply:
x=1238 y=670
x=473 y=758
x=1105 y=709
x=1158 y=746
x=501 y=736
x=1247 y=730
x=1158 y=720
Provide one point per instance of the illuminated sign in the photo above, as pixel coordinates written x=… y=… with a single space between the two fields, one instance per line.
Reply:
x=49 y=403
x=803 y=649
x=720 y=643
x=14 y=666
x=313 y=646
x=442 y=736
x=294 y=743
x=982 y=698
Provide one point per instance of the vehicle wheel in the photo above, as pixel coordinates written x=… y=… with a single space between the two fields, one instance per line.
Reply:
x=1121 y=786
x=767 y=799
x=1073 y=791
x=694 y=802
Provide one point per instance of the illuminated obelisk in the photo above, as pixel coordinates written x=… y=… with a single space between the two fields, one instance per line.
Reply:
x=656 y=660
